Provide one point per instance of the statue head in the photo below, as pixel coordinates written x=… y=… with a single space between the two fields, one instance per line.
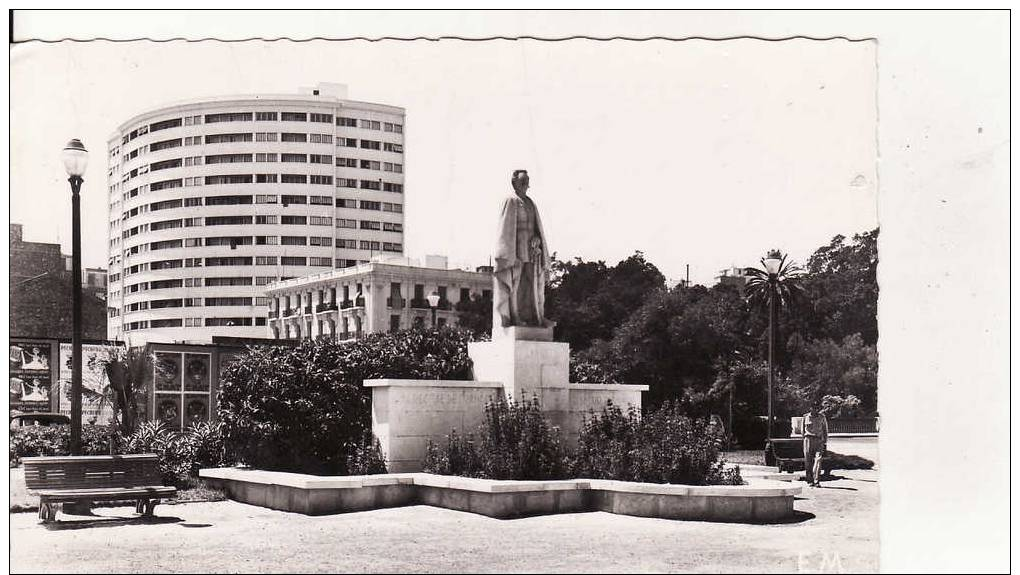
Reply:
x=520 y=181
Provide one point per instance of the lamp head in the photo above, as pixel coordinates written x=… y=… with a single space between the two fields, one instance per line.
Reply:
x=773 y=261
x=433 y=299
x=76 y=158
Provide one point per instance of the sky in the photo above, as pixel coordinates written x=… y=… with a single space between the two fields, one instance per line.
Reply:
x=696 y=153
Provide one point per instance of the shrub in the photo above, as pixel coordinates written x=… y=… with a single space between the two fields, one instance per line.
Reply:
x=664 y=446
x=516 y=441
x=39 y=440
x=181 y=453
x=304 y=409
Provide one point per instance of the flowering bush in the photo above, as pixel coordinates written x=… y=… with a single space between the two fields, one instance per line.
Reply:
x=39 y=440
x=515 y=442
x=664 y=446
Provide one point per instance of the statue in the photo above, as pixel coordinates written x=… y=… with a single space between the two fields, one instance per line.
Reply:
x=522 y=261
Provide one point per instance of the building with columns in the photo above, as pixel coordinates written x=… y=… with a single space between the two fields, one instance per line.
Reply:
x=212 y=200
x=384 y=294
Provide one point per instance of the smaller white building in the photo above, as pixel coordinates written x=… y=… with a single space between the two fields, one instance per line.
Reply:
x=384 y=294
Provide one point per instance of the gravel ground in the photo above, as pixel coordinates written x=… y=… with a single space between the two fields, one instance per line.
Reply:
x=838 y=522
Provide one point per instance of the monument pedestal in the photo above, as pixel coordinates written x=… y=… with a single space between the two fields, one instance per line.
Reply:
x=529 y=364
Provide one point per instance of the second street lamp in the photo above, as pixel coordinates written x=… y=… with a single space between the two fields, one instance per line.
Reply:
x=772 y=265
x=433 y=302
x=76 y=159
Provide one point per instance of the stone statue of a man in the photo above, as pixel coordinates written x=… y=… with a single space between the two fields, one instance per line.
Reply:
x=522 y=260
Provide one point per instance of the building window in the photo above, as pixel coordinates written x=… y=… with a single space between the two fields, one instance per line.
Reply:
x=392 y=247
x=162 y=125
x=293 y=240
x=367 y=185
x=228 y=159
x=324 y=118
x=266 y=198
x=369 y=165
x=166 y=184
x=227 y=261
x=227 y=301
x=348 y=122
x=192 y=140
x=392 y=227
x=347 y=142
x=347 y=162
x=265 y=260
x=324 y=262
x=346 y=223
x=367 y=205
x=346 y=183
x=291 y=199
x=294 y=158
x=370 y=225
x=227 y=220
x=192 y=222
x=324 y=180
x=320 y=241
x=293 y=137
x=391 y=187
x=193 y=242
x=395 y=208
x=266 y=240
x=320 y=220
x=292 y=261
x=228 y=117
x=194 y=161
x=396 y=168
x=265 y=178
x=265 y=219
x=346 y=203
x=293 y=117
x=370 y=144
x=293 y=178
x=395 y=128
x=265 y=116
x=227 y=138
x=192 y=120
x=369 y=125
x=294 y=220
x=226 y=201
x=320 y=159
x=264 y=280
x=266 y=157
x=368 y=245
x=231 y=179
x=320 y=138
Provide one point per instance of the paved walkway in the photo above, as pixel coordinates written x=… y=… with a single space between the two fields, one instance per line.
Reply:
x=839 y=522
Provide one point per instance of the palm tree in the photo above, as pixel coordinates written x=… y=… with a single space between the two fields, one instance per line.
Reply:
x=126 y=370
x=775 y=285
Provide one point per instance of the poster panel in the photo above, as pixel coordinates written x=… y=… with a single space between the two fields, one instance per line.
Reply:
x=94 y=382
x=30 y=384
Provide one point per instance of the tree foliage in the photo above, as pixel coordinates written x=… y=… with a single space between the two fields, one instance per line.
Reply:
x=304 y=408
x=589 y=300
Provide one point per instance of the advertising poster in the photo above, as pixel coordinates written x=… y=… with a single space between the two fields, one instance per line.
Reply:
x=94 y=382
x=30 y=384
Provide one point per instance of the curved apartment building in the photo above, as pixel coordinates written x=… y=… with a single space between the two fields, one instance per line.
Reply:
x=212 y=200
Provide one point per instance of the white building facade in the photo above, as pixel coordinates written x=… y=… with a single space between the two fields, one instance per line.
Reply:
x=386 y=294
x=213 y=200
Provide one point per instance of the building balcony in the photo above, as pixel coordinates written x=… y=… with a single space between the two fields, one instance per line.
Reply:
x=327 y=306
x=444 y=304
x=273 y=314
x=359 y=302
x=417 y=303
x=308 y=309
x=396 y=303
x=290 y=311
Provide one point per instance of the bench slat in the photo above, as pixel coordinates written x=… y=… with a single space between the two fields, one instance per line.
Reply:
x=92 y=472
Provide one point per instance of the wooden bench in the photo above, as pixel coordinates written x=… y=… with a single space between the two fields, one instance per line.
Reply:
x=96 y=478
x=788 y=455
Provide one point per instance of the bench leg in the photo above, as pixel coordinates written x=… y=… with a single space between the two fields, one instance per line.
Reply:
x=48 y=511
x=150 y=505
x=140 y=505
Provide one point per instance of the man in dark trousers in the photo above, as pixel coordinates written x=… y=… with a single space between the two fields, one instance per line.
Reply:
x=816 y=436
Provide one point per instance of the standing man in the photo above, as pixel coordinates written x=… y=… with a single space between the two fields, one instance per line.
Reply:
x=522 y=260
x=816 y=437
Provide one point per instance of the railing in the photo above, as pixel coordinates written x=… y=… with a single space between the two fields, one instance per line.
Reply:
x=853 y=425
x=420 y=303
x=290 y=311
x=444 y=304
x=359 y=302
x=346 y=304
x=308 y=309
x=327 y=306
x=273 y=314
x=395 y=303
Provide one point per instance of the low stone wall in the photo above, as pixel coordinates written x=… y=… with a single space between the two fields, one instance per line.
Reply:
x=760 y=501
x=407 y=413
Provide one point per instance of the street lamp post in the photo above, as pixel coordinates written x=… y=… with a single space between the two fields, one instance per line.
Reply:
x=76 y=158
x=772 y=264
x=433 y=302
